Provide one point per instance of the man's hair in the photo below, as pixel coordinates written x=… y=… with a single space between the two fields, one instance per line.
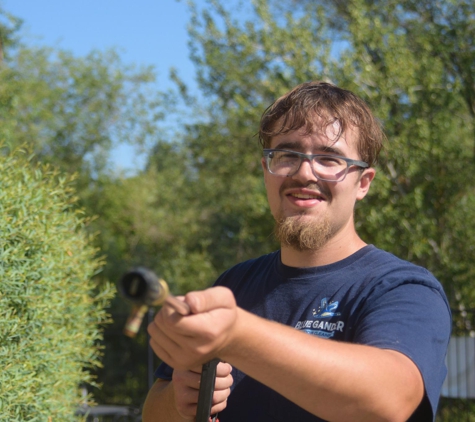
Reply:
x=312 y=106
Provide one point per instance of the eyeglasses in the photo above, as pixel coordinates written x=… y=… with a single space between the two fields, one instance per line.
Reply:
x=331 y=168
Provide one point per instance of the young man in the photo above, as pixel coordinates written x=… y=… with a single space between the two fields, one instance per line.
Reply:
x=328 y=327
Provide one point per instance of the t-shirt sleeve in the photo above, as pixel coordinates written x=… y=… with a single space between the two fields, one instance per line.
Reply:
x=164 y=372
x=413 y=319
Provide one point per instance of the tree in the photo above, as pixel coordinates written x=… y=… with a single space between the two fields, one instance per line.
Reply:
x=413 y=72
x=152 y=220
x=74 y=110
x=9 y=26
x=71 y=111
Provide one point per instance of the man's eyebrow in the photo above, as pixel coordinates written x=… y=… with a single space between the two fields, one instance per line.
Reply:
x=292 y=145
x=331 y=150
x=296 y=146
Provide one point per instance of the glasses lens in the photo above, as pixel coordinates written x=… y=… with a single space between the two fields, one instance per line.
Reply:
x=325 y=167
x=328 y=167
x=283 y=163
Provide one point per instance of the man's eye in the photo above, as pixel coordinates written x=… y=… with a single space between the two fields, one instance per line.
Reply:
x=284 y=156
x=329 y=160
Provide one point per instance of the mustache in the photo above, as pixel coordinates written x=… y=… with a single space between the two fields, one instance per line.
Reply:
x=312 y=185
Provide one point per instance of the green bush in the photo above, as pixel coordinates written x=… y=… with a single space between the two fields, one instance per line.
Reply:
x=51 y=308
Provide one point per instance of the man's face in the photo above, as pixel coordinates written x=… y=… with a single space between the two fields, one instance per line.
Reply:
x=308 y=211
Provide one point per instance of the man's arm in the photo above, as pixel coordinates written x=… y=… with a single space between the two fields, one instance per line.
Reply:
x=160 y=404
x=333 y=380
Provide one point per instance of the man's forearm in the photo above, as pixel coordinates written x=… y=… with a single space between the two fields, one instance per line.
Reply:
x=160 y=404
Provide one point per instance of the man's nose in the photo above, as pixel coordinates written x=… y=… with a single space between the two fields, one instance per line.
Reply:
x=306 y=171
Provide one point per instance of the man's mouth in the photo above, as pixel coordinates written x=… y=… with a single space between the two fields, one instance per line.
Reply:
x=305 y=196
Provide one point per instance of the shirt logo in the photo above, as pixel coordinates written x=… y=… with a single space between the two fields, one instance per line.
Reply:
x=326 y=310
x=317 y=327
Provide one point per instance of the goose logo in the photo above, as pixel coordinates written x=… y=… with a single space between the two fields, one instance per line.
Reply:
x=317 y=327
x=326 y=310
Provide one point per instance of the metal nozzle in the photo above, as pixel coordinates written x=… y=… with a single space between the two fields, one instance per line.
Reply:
x=142 y=287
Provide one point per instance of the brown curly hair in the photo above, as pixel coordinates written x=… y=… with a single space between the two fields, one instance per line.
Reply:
x=315 y=105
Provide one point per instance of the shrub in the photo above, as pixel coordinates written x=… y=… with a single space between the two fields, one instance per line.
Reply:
x=51 y=308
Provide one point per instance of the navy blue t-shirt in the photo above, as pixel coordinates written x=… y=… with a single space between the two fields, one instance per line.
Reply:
x=370 y=298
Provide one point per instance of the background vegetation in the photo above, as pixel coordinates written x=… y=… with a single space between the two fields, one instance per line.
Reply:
x=50 y=307
x=199 y=206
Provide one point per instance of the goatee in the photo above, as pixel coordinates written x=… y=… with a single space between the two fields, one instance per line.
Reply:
x=301 y=234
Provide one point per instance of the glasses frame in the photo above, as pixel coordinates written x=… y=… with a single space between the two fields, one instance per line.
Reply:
x=349 y=162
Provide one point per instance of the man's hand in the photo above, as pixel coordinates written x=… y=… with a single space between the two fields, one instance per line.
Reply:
x=187 y=383
x=185 y=342
x=177 y=400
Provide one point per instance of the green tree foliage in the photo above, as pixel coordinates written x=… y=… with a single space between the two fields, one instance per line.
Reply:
x=51 y=310
x=73 y=110
x=408 y=64
x=8 y=27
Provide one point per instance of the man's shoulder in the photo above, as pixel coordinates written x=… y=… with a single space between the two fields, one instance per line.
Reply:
x=384 y=271
x=380 y=260
x=252 y=266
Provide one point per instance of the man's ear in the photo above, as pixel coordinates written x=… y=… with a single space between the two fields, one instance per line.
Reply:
x=365 y=182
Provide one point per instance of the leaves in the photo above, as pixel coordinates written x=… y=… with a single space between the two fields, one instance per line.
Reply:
x=51 y=308
x=71 y=110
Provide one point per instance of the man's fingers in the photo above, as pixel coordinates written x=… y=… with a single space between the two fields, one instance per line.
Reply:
x=185 y=341
x=168 y=322
x=223 y=369
x=164 y=346
x=220 y=398
x=223 y=383
x=209 y=299
x=189 y=379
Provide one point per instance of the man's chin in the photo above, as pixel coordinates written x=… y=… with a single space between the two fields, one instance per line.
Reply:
x=302 y=232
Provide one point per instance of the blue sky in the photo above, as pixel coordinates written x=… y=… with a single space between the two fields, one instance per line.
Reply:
x=146 y=32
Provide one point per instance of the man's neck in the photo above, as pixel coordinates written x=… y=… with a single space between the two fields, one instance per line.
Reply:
x=333 y=251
